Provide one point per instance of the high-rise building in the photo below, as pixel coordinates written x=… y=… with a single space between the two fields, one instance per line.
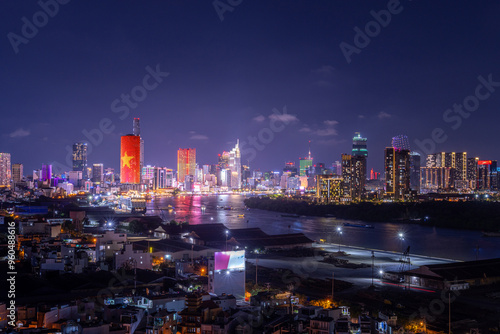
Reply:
x=435 y=178
x=161 y=179
x=305 y=164
x=46 y=172
x=472 y=164
x=460 y=166
x=235 y=166
x=5 y=170
x=147 y=175
x=80 y=158
x=484 y=174
x=458 y=163
x=17 y=173
x=290 y=168
x=493 y=176
x=401 y=142
x=353 y=176
x=337 y=168
x=374 y=175
x=397 y=173
x=186 y=163
x=75 y=177
x=415 y=171
x=130 y=165
x=359 y=147
x=329 y=189
x=109 y=175
x=136 y=128
x=97 y=173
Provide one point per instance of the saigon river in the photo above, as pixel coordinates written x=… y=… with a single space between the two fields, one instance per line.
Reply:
x=454 y=244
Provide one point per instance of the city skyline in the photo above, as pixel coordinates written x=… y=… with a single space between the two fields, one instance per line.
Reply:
x=218 y=81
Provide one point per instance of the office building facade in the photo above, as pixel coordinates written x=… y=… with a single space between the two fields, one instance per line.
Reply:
x=130 y=165
x=186 y=163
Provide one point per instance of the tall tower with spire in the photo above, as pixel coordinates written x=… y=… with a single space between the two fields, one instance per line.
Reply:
x=305 y=163
x=235 y=166
x=137 y=132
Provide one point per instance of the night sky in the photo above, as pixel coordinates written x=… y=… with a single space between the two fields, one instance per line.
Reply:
x=225 y=78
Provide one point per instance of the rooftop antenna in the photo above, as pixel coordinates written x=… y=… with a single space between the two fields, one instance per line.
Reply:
x=309 y=157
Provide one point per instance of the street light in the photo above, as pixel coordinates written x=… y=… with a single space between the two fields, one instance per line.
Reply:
x=227 y=233
x=339 y=232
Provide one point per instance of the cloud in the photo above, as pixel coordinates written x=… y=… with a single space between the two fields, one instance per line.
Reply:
x=19 y=133
x=285 y=118
x=330 y=122
x=198 y=137
x=326 y=132
x=332 y=141
x=324 y=70
x=323 y=84
x=361 y=116
x=305 y=129
x=259 y=118
x=383 y=114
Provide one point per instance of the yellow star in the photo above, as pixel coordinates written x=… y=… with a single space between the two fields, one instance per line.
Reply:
x=126 y=160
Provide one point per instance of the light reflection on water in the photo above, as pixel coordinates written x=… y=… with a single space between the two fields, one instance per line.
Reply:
x=431 y=241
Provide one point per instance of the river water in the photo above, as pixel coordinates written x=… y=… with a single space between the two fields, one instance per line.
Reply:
x=423 y=240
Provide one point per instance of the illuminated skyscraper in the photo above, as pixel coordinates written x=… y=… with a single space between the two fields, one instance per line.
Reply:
x=130 y=165
x=17 y=173
x=435 y=178
x=359 y=147
x=46 y=172
x=353 y=176
x=484 y=174
x=80 y=158
x=235 y=166
x=397 y=173
x=457 y=161
x=472 y=164
x=329 y=189
x=186 y=163
x=5 y=170
x=97 y=173
x=401 y=142
x=137 y=132
x=415 y=171
x=136 y=127
x=305 y=163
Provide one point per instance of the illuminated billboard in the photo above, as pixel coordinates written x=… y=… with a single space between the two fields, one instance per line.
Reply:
x=484 y=162
x=130 y=164
x=229 y=260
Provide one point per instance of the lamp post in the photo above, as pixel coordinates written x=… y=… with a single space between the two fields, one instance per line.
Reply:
x=339 y=232
x=227 y=233
x=401 y=238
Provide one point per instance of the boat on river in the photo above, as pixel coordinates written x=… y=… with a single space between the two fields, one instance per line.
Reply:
x=491 y=234
x=358 y=225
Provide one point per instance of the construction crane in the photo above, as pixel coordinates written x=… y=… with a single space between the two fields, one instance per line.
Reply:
x=405 y=264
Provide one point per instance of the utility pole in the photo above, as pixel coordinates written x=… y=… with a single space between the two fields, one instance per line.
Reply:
x=373 y=264
x=256 y=270
x=449 y=311
x=333 y=283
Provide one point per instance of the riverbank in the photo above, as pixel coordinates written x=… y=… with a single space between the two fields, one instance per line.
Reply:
x=474 y=215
